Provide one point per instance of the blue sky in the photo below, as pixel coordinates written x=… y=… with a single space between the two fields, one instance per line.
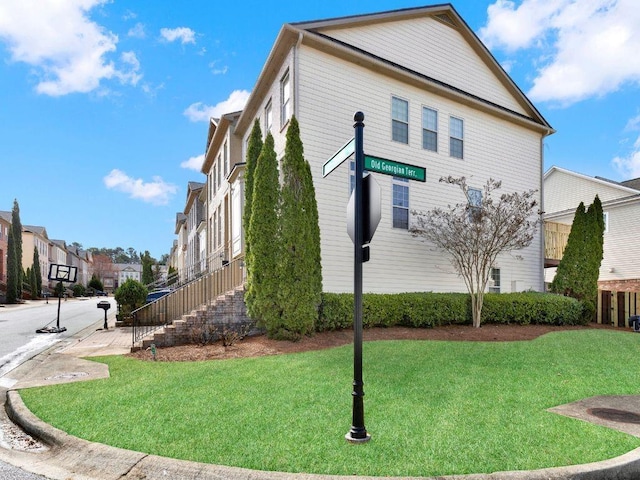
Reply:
x=104 y=104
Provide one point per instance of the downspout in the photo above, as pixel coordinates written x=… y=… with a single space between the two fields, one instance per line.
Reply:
x=542 y=227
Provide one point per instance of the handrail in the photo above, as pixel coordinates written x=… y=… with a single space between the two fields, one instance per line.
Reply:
x=183 y=300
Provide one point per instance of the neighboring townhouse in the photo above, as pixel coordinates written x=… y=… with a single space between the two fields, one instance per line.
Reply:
x=195 y=215
x=5 y=225
x=58 y=252
x=125 y=271
x=181 y=247
x=433 y=96
x=620 y=267
x=35 y=236
x=224 y=169
x=82 y=260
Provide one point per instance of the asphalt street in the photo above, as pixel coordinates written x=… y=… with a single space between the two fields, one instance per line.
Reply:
x=18 y=325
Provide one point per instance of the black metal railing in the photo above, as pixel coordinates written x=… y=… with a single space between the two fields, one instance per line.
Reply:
x=186 y=298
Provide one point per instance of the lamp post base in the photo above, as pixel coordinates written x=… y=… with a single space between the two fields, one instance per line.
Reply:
x=349 y=437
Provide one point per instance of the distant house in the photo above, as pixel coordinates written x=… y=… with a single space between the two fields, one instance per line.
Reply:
x=125 y=271
x=620 y=267
x=35 y=236
x=433 y=97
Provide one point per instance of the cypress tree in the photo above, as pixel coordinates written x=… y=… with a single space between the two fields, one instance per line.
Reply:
x=17 y=271
x=299 y=268
x=262 y=282
x=37 y=271
x=569 y=269
x=12 y=270
x=253 y=152
x=33 y=283
x=594 y=249
x=147 y=271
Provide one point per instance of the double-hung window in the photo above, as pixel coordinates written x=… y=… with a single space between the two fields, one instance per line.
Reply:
x=456 y=137
x=474 y=196
x=494 y=280
x=225 y=152
x=285 y=99
x=400 y=203
x=429 y=129
x=399 y=120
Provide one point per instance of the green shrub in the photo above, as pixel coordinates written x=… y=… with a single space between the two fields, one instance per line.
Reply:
x=79 y=290
x=429 y=309
x=130 y=295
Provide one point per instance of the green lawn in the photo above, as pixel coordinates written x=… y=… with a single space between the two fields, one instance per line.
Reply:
x=432 y=408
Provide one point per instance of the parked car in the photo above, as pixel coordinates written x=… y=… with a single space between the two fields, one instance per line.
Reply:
x=156 y=294
x=100 y=293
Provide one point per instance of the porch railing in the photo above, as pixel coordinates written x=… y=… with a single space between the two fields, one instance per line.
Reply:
x=201 y=291
x=555 y=239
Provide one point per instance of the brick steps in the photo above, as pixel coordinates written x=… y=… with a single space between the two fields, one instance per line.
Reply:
x=226 y=311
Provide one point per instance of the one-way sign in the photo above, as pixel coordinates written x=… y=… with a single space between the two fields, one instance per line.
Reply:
x=340 y=156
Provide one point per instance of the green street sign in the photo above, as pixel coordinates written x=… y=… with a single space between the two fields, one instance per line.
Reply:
x=340 y=156
x=397 y=169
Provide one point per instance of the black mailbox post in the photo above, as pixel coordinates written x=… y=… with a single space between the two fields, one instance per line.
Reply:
x=105 y=306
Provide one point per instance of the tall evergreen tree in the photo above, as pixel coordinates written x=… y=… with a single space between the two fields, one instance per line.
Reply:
x=253 y=153
x=12 y=270
x=147 y=270
x=16 y=225
x=578 y=271
x=37 y=271
x=570 y=269
x=33 y=282
x=262 y=283
x=299 y=268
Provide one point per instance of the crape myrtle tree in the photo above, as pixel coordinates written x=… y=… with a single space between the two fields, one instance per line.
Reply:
x=253 y=152
x=15 y=273
x=474 y=232
x=299 y=267
x=261 y=295
x=579 y=269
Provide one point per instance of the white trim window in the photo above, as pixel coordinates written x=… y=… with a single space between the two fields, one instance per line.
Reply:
x=474 y=197
x=268 y=117
x=494 y=280
x=400 y=200
x=399 y=120
x=225 y=152
x=285 y=99
x=456 y=137
x=429 y=129
x=605 y=217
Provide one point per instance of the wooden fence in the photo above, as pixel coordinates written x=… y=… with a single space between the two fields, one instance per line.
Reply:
x=615 y=308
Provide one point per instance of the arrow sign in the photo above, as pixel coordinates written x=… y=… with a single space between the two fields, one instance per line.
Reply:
x=340 y=156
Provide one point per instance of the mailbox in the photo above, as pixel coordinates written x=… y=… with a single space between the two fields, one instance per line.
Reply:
x=105 y=306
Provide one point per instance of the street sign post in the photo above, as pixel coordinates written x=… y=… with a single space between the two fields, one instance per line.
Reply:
x=340 y=156
x=397 y=169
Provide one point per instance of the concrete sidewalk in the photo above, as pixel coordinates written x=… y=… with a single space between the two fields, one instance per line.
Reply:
x=71 y=458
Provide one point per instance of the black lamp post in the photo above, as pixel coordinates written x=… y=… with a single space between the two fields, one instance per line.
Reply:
x=358 y=432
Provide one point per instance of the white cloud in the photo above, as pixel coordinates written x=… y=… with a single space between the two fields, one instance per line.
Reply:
x=586 y=48
x=68 y=50
x=184 y=34
x=137 y=31
x=629 y=166
x=156 y=192
x=218 y=70
x=194 y=163
x=200 y=112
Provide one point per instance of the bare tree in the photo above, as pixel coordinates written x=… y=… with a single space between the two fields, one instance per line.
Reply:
x=475 y=232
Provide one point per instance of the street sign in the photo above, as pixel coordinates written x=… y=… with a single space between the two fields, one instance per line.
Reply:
x=371 y=210
x=340 y=156
x=397 y=169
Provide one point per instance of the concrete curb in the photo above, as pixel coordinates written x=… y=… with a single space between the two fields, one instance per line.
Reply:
x=72 y=457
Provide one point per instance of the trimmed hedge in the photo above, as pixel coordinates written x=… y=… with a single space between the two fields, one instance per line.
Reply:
x=432 y=309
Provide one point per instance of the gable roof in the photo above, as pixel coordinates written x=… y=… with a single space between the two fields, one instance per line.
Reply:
x=36 y=230
x=317 y=35
x=597 y=180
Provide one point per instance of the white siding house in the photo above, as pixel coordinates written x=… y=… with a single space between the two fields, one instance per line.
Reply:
x=563 y=192
x=433 y=96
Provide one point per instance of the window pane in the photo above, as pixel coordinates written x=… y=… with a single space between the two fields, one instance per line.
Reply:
x=400 y=110
x=400 y=132
x=455 y=147
x=430 y=140
x=400 y=206
x=429 y=119
x=456 y=128
x=475 y=197
x=400 y=196
x=400 y=218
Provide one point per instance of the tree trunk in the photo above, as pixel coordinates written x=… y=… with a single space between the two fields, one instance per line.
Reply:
x=476 y=308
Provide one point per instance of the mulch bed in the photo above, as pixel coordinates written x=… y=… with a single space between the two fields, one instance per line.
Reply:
x=261 y=345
